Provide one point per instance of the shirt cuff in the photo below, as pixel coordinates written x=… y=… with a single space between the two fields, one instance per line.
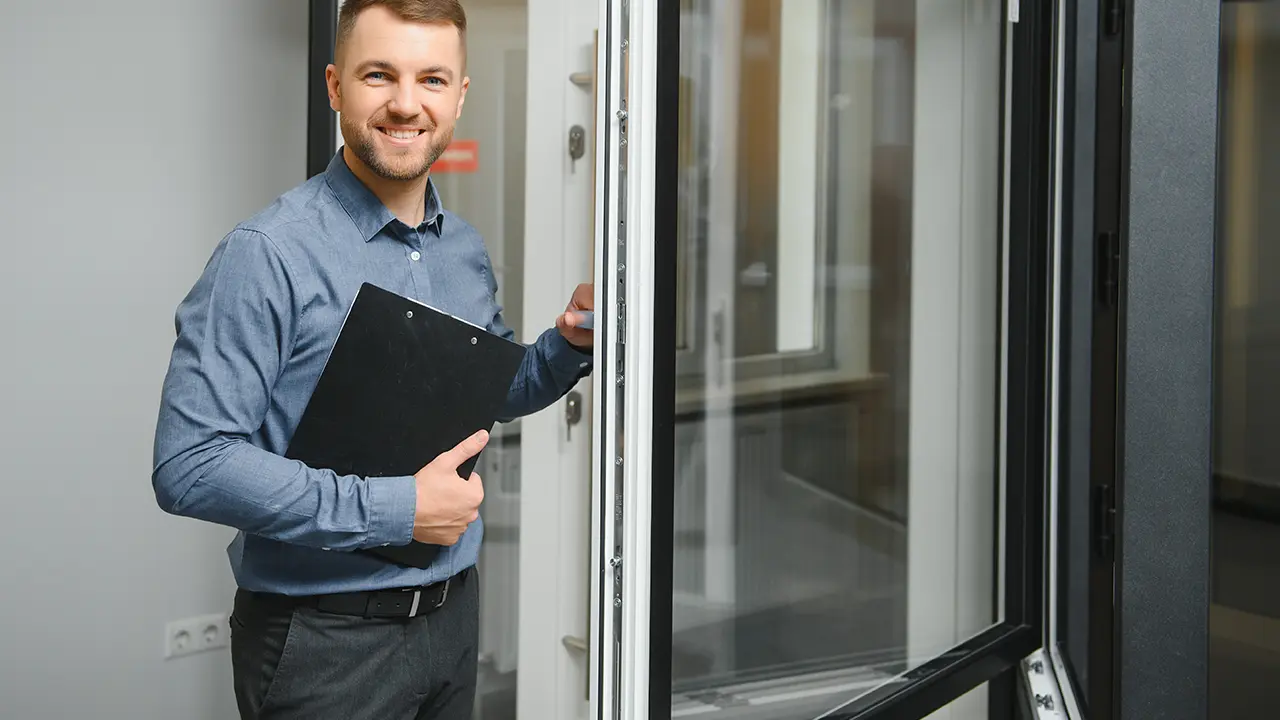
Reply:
x=566 y=358
x=393 y=503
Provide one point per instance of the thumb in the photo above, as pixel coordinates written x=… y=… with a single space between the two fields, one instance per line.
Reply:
x=451 y=459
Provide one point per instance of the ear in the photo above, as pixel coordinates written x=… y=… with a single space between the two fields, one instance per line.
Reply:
x=462 y=97
x=331 y=81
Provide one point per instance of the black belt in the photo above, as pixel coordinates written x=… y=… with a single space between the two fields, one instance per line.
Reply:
x=393 y=603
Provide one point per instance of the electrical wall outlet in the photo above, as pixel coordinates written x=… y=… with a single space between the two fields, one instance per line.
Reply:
x=196 y=634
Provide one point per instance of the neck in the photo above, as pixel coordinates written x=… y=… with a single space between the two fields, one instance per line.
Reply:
x=405 y=199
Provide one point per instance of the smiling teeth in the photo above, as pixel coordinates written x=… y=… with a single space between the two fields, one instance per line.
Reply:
x=402 y=134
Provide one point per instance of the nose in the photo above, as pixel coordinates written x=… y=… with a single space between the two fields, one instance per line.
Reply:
x=403 y=100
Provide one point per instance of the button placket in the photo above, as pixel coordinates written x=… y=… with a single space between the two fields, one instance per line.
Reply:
x=417 y=269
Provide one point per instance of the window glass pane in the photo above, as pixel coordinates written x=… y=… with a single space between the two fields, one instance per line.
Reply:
x=837 y=424
x=1244 y=619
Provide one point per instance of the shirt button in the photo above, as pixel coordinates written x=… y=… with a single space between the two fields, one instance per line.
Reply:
x=582 y=365
x=415 y=255
x=325 y=549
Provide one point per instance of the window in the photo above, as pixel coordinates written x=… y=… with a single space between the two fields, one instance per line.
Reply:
x=823 y=480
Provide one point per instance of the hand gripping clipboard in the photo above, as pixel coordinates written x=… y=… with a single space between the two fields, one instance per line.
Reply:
x=404 y=382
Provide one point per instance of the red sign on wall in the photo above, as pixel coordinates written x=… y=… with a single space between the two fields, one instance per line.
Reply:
x=462 y=156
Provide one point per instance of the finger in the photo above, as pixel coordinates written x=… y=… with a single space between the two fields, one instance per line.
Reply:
x=464 y=450
x=478 y=485
x=584 y=297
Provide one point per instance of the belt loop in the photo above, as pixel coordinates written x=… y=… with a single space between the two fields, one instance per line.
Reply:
x=444 y=594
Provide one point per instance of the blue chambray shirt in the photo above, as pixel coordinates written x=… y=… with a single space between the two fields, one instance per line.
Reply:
x=253 y=335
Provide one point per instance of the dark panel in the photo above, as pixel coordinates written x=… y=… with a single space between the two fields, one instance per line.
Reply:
x=322 y=122
x=665 y=226
x=1074 y=527
x=1167 y=306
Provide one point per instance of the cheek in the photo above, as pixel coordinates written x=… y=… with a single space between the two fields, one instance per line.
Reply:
x=359 y=106
x=443 y=110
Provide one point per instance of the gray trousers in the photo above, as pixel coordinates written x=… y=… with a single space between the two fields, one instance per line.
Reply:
x=299 y=662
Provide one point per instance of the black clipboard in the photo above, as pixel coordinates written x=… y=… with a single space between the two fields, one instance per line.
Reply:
x=404 y=382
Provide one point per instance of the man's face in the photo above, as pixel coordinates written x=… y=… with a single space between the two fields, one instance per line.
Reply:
x=399 y=88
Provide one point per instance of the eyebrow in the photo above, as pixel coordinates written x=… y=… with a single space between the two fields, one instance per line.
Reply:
x=369 y=65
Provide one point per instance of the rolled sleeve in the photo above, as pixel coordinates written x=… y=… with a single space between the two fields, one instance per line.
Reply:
x=394 y=502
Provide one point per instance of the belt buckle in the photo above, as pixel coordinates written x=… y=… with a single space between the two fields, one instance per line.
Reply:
x=417 y=599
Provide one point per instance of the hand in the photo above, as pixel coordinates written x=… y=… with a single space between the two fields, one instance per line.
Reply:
x=584 y=298
x=447 y=504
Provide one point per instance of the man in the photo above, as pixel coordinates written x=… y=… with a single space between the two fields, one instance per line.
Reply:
x=320 y=629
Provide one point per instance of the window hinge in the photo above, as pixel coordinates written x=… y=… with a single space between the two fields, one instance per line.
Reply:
x=1104 y=520
x=1108 y=267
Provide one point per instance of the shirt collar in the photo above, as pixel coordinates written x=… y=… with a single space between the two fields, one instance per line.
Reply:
x=365 y=209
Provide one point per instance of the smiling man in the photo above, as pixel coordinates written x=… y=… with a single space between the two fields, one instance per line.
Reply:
x=321 y=629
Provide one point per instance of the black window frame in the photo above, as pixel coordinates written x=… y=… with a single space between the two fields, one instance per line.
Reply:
x=993 y=653
x=1092 y=231
x=322 y=121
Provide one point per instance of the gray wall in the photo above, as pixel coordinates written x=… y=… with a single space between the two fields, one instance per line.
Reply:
x=133 y=135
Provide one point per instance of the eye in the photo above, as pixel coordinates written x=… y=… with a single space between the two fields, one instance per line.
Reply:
x=435 y=81
x=376 y=77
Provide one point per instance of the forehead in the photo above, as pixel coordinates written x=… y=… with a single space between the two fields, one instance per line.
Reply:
x=380 y=35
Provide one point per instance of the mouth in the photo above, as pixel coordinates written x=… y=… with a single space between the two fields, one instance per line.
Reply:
x=401 y=136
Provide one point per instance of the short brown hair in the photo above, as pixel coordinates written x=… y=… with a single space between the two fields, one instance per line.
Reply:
x=431 y=12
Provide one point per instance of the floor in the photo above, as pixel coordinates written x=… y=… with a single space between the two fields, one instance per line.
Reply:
x=1244 y=621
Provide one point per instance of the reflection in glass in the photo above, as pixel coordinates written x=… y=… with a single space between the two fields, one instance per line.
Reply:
x=838 y=354
x=1244 y=624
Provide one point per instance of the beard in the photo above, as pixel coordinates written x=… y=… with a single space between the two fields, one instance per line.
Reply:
x=400 y=166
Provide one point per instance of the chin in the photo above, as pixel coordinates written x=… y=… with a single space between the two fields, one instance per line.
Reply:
x=400 y=167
